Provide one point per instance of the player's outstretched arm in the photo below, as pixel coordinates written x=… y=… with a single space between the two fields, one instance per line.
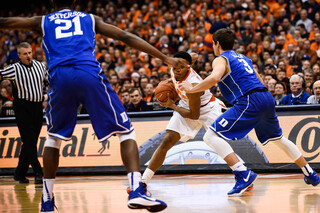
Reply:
x=219 y=69
x=134 y=41
x=33 y=23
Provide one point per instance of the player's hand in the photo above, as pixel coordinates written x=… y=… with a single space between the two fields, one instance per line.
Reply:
x=185 y=86
x=169 y=80
x=194 y=57
x=176 y=62
x=168 y=104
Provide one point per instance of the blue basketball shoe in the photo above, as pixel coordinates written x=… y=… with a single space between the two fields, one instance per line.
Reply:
x=313 y=179
x=48 y=206
x=244 y=179
x=138 y=199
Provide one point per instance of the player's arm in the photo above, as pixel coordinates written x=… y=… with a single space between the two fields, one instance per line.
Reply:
x=194 y=106
x=219 y=69
x=134 y=41
x=33 y=23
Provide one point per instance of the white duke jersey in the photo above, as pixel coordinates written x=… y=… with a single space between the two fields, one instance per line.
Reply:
x=69 y=38
x=192 y=78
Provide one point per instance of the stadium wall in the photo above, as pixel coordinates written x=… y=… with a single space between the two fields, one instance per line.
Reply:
x=85 y=155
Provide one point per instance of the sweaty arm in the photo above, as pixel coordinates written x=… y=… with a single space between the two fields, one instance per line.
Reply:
x=219 y=69
x=33 y=23
x=133 y=41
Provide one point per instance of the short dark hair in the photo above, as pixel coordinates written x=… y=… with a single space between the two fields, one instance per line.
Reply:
x=135 y=89
x=184 y=55
x=225 y=37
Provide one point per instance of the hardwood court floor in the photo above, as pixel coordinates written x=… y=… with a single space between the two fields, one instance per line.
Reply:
x=183 y=193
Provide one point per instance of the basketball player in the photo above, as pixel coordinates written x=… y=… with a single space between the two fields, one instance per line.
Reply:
x=77 y=78
x=254 y=107
x=193 y=111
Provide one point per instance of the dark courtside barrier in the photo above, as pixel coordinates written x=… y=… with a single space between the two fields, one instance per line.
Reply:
x=84 y=154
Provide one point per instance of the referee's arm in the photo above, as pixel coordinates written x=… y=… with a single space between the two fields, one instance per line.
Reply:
x=8 y=72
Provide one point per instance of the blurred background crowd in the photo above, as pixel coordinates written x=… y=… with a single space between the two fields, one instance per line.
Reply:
x=281 y=37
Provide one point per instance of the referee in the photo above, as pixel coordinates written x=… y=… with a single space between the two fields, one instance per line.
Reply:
x=27 y=77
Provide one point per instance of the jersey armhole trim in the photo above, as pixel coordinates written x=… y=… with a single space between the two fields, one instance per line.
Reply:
x=42 y=25
x=229 y=68
x=93 y=23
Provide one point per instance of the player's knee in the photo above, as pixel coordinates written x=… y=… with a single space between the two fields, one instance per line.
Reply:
x=209 y=135
x=129 y=136
x=169 y=140
x=53 y=142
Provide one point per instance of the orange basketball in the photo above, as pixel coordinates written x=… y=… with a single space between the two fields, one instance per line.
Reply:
x=162 y=90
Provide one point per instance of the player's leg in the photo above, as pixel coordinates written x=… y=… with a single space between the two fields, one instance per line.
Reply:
x=294 y=153
x=50 y=167
x=268 y=129
x=61 y=115
x=244 y=176
x=130 y=158
x=137 y=195
x=109 y=117
x=235 y=123
x=169 y=140
x=208 y=115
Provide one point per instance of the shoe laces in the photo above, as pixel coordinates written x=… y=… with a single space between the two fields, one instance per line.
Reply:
x=144 y=186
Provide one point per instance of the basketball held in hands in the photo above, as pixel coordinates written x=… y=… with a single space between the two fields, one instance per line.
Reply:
x=163 y=89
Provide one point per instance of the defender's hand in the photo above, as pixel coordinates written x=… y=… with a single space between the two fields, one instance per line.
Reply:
x=185 y=86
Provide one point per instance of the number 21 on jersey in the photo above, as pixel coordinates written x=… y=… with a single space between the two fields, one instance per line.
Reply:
x=63 y=30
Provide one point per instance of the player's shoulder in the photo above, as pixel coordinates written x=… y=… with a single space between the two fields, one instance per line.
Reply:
x=193 y=77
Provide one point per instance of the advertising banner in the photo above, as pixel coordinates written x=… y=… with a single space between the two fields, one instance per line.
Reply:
x=85 y=151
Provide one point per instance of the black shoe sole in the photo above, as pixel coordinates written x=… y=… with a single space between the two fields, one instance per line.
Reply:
x=21 y=180
x=156 y=208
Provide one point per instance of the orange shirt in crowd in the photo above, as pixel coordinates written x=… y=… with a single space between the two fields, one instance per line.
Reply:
x=315 y=46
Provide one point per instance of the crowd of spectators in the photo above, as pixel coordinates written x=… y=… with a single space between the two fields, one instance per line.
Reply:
x=281 y=37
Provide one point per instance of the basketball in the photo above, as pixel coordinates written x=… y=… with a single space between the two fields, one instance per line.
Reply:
x=162 y=90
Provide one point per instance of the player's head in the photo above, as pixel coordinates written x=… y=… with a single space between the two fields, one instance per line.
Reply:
x=223 y=37
x=63 y=3
x=181 y=72
x=184 y=55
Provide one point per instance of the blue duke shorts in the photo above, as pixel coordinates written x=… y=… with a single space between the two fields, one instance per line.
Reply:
x=256 y=110
x=71 y=86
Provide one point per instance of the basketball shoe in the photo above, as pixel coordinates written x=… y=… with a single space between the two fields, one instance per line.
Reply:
x=138 y=199
x=313 y=179
x=48 y=206
x=244 y=180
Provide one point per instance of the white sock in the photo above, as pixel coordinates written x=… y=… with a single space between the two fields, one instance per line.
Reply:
x=238 y=167
x=48 y=189
x=134 y=180
x=147 y=175
x=307 y=170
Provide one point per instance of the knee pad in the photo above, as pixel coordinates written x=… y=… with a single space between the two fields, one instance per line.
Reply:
x=131 y=135
x=53 y=142
x=288 y=147
x=218 y=144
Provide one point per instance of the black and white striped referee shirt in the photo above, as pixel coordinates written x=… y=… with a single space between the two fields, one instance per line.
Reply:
x=27 y=80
